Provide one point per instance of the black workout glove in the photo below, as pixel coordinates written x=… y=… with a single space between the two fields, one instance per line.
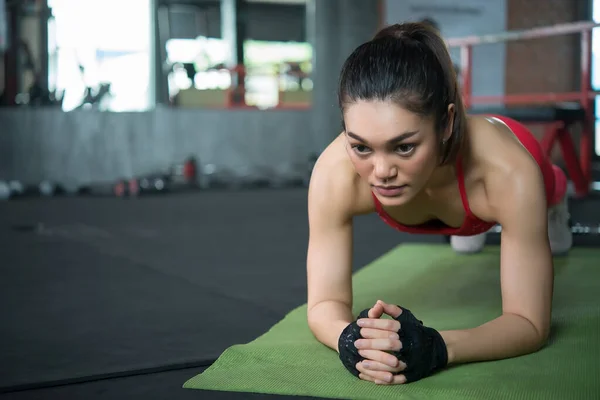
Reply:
x=348 y=352
x=423 y=350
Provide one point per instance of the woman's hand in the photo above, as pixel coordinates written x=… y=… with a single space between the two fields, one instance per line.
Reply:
x=370 y=349
x=378 y=337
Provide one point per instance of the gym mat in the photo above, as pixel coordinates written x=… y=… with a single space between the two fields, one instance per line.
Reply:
x=446 y=291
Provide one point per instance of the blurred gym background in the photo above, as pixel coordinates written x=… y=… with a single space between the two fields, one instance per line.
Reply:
x=154 y=158
x=95 y=92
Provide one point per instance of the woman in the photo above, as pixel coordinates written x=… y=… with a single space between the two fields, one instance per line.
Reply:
x=410 y=153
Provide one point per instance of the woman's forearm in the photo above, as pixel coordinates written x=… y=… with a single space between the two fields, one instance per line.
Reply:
x=504 y=337
x=327 y=320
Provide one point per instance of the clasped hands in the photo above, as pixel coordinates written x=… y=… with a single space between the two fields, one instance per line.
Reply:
x=391 y=351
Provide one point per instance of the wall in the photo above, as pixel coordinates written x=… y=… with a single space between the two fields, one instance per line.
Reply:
x=270 y=22
x=86 y=147
x=3 y=40
x=547 y=64
x=336 y=28
x=3 y=27
x=458 y=19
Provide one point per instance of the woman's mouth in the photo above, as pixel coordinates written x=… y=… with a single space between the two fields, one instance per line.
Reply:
x=390 y=191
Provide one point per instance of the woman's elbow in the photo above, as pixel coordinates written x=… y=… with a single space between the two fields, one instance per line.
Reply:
x=540 y=337
x=544 y=333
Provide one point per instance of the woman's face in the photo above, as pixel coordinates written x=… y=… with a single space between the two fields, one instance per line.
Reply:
x=394 y=150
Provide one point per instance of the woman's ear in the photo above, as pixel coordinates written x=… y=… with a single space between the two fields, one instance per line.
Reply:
x=450 y=124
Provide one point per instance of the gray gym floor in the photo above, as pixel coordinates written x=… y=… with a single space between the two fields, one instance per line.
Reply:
x=117 y=298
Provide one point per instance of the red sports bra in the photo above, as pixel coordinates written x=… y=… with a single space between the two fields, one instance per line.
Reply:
x=471 y=225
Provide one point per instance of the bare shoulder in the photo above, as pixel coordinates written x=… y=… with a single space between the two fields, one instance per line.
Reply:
x=494 y=144
x=507 y=171
x=335 y=187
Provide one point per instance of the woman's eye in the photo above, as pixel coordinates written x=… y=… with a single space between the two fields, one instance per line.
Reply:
x=359 y=148
x=405 y=148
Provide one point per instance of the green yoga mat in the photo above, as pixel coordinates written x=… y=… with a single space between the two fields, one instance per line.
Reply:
x=446 y=291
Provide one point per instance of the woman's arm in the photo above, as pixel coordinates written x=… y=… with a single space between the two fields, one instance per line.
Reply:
x=329 y=258
x=527 y=275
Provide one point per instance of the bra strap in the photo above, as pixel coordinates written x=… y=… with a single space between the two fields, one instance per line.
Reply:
x=461 y=185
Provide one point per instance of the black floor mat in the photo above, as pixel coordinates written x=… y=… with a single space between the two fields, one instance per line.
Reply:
x=70 y=311
x=93 y=288
x=162 y=386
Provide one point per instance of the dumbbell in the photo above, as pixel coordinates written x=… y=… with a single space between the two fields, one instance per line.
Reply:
x=47 y=188
x=152 y=184
x=207 y=176
x=16 y=188
x=577 y=228
x=11 y=189
x=5 y=192
x=585 y=229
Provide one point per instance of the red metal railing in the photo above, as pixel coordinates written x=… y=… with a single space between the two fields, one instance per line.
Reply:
x=578 y=168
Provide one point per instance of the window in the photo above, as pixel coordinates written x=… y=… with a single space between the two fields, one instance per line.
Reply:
x=275 y=71
x=101 y=46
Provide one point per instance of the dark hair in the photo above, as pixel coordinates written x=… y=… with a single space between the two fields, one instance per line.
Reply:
x=431 y=22
x=408 y=64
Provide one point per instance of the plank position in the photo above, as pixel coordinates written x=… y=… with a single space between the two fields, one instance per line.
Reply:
x=411 y=154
